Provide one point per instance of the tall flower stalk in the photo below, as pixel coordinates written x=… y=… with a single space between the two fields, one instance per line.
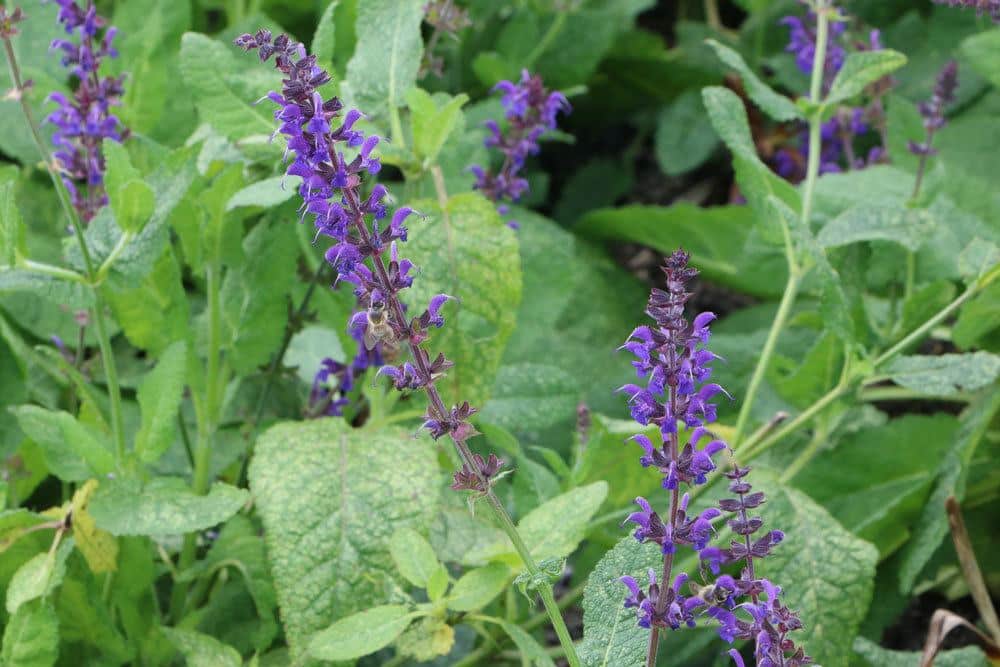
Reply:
x=932 y=112
x=334 y=160
x=673 y=358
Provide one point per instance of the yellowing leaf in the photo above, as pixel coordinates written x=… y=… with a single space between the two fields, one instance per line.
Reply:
x=99 y=547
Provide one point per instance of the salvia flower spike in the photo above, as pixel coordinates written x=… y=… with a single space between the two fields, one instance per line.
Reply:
x=84 y=119
x=991 y=7
x=333 y=158
x=932 y=110
x=531 y=111
x=674 y=364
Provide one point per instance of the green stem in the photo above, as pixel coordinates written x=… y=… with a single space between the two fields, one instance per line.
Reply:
x=917 y=334
x=904 y=394
x=712 y=14
x=544 y=587
x=546 y=41
x=107 y=358
x=54 y=271
x=119 y=248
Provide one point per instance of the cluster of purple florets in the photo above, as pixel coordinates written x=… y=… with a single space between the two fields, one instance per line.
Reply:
x=840 y=133
x=530 y=111
x=84 y=119
x=991 y=7
x=932 y=110
x=672 y=358
x=333 y=159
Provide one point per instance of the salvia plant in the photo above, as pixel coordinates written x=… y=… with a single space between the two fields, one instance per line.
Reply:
x=318 y=334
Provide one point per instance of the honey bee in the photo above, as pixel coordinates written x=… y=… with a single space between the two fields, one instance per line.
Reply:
x=378 y=330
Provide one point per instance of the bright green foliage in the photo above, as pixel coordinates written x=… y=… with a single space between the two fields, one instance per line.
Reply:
x=361 y=633
x=200 y=650
x=349 y=491
x=131 y=199
x=477 y=588
x=38 y=577
x=160 y=397
x=31 y=637
x=72 y=450
x=874 y=655
x=413 y=556
x=908 y=227
x=947 y=373
x=861 y=69
x=774 y=105
x=432 y=124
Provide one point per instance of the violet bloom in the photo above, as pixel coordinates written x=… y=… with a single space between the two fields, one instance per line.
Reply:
x=84 y=120
x=674 y=363
x=334 y=159
x=530 y=111
x=992 y=7
x=932 y=110
x=802 y=43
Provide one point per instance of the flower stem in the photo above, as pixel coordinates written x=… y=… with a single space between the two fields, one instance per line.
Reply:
x=103 y=339
x=546 y=41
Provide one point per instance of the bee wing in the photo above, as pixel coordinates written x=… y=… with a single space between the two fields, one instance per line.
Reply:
x=370 y=339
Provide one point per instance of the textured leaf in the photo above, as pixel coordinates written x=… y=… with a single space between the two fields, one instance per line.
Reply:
x=72 y=450
x=773 y=104
x=552 y=530
x=349 y=491
x=31 y=638
x=826 y=574
x=684 y=137
x=163 y=506
x=38 y=577
x=531 y=397
x=388 y=53
x=876 y=656
x=477 y=588
x=983 y=53
x=426 y=639
x=413 y=556
x=361 y=633
x=951 y=477
x=432 y=124
x=909 y=227
x=99 y=548
x=266 y=193
x=860 y=69
x=11 y=226
x=945 y=374
x=200 y=650
x=160 y=394
x=132 y=200
x=468 y=252
x=325 y=37
x=153 y=313
x=609 y=456
x=224 y=84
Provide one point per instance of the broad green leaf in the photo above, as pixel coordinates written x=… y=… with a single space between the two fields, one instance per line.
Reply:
x=437 y=583
x=861 y=69
x=426 y=639
x=31 y=638
x=951 y=476
x=432 y=124
x=833 y=593
x=978 y=258
x=467 y=251
x=224 y=83
x=531 y=397
x=160 y=394
x=132 y=201
x=874 y=655
x=413 y=556
x=254 y=298
x=153 y=313
x=552 y=530
x=162 y=506
x=38 y=577
x=84 y=619
x=684 y=137
x=477 y=588
x=361 y=633
x=309 y=347
x=11 y=227
x=978 y=317
x=72 y=450
x=610 y=456
x=325 y=37
x=909 y=227
x=201 y=650
x=387 y=56
x=945 y=374
x=718 y=239
x=773 y=104
x=983 y=53
x=350 y=491
x=729 y=118
x=267 y=193
x=15 y=523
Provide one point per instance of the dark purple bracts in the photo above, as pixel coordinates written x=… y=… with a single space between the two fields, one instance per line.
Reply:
x=84 y=120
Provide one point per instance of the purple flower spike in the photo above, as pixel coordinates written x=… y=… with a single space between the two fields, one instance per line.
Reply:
x=83 y=121
x=991 y=7
x=933 y=109
x=530 y=111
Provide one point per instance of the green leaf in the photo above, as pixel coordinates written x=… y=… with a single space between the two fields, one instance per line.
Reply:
x=11 y=226
x=349 y=491
x=945 y=374
x=831 y=594
x=909 y=227
x=876 y=656
x=31 y=638
x=478 y=587
x=266 y=193
x=531 y=397
x=860 y=69
x=982 y=50
x=361 y=633
x=132 y=201
x=325 y=36
x=770 y=102
x=162 y=506
x=468 y=252
x=413 y=556
x=72 y=450
x=951 y=477
x=426 y=639
x=15 y=523
x=610 y=456
x=533 y=654
x=438 y=582
x=978 y=317
x=684 y=137
x=432 y=122
x=224 y=84
x=200 y=650
x=388 y=54
x=154 y=312
x=552 y=530
x=160 y=394
x=38 y=577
